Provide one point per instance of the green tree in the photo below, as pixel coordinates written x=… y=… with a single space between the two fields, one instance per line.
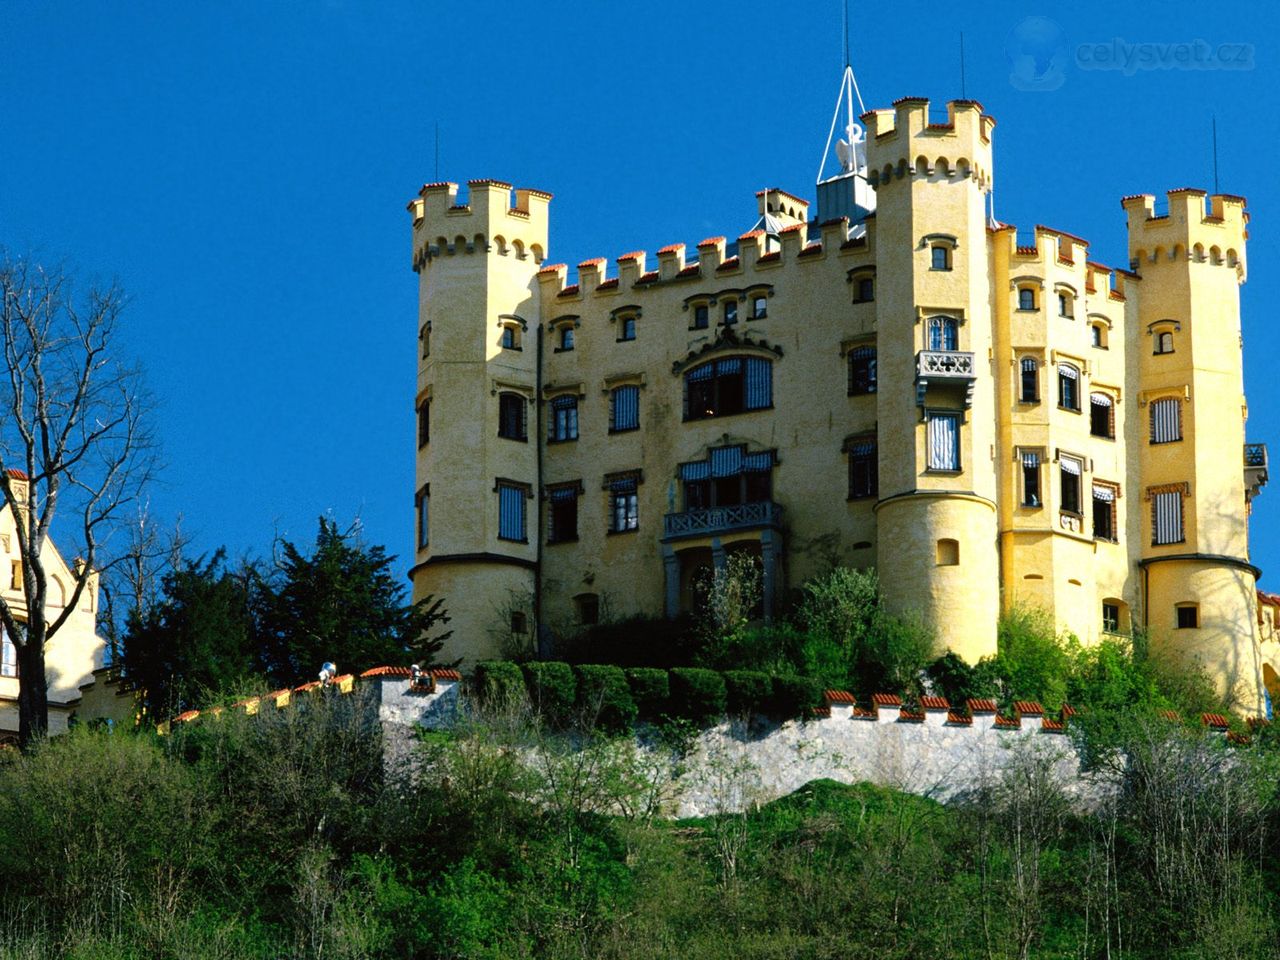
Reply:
x=199 y=637
x=343 y=603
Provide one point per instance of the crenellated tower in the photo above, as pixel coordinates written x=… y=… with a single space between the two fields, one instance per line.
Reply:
x=477 y=475
x=1199 y=583
x=936 y=515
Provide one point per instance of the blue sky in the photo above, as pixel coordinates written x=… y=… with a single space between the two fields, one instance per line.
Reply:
x=243 y=168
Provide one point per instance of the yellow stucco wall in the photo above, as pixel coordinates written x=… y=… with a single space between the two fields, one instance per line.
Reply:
x=932 y=179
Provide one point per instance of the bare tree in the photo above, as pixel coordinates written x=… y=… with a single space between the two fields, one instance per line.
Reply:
x=74 y=442
x=132 y=579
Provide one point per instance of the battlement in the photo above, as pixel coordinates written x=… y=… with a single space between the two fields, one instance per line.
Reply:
x=1183 y=229
x=493 y=217
x=903 y=142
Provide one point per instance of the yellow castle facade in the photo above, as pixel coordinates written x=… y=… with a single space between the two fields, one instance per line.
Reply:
x=891 y=379
x=73 y=656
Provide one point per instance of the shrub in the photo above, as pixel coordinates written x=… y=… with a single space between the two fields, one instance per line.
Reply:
x=748 y=691
x=770 y=648
x=956 y=680
x=603 y=692
x=553 y=690
x=794 y=696
x=650 y=690
x=498 y=682
x=697 y=694
x=1032 y=662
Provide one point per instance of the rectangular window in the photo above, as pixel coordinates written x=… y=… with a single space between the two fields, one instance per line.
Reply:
x=424 y=517
x=1030 y=382
x=862 y=371
x=1030 y=478
x=863 y=469
x=944 y=441
x=511 y=416
x=700 y=316
x=511 y=499
x=730 y=312
x=941 y=257
x=866 y=290
x=1064 y=305
x=563 y=520
x=624 y=506
x=1166 y=420
x=424 y=423
x=1068 y=387
x=1102 y=420
x=1026 y=299
x=1111 y=617
x=8 y=654
x=1069 y=471
x=624 y=409
x=425 y=336
x=1188 y=616
x=759 y=308
x=563 y=421
x=566 y=338
x=728 y=386
x=626 y=328
x=1104 y=512
x=510 y=338
x=1166 y=518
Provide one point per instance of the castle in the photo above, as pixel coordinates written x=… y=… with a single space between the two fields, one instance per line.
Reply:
x=890 y=379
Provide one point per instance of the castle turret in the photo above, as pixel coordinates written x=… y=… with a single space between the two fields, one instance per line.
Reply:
x=1199 y=585
x=936 y=516
x=476 y=482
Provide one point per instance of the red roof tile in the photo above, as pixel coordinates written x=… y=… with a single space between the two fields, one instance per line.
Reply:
x=633 y=255
x=648 y=277
x=773 y=257
x=691 y=270
x=820 y=711
x=1068 y=711
x=935 y=703
x=1187 y=190
x=1007 y=723
x=862 y=713
x=955 y=716
x=794 y=228
x=17 y=474
x=307 y=686
x=981 y=706
x=1053 y=726
x=886 y=700
x=1028 y=708
x=671 y=248
x=488 y=183
x=1239 y=738
x=812 y=249
x=1216 y=720
x=711 y=241
x=838 y=696
x=591 y=262
x=608 y=284
x=730 y=264
x=443 y=673
x=570 y=289
x=554 y=268
x=790 y=196
x=1170 y=715
x=907 y=715
x=387 y=672
x=751 y=233
x=438 y=185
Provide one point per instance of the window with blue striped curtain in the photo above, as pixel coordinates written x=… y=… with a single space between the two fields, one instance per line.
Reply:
x=943 y=334
x=727 y=386
x=624 y=409
x=624 y=505
x=759 y=383
x=944 y=441
x=511 y=524
x=563 y=423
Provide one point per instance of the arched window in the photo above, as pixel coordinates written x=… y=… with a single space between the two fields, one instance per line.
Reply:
x=727 y=386
x=1068 y=387
x=564 y=419
x=943 y=333
x=1029 y=383
x=1164 y=342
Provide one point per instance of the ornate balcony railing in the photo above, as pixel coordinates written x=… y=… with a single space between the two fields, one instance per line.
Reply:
x=1255 y=469
x=944 y=363
x=714 y=520
x=954 y=367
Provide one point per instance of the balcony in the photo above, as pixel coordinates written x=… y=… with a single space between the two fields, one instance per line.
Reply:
x=714 y=521
x=944 y=368
x=1255 y=469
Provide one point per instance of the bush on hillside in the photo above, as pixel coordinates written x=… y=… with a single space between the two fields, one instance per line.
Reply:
x=748 y=692
x=603 y=693
x=553 y=691
x=498 y=682
x=697 y=695
x=650 y=690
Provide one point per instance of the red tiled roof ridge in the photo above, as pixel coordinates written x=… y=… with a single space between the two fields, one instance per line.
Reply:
x=792 y=229
x=1007 y=723
x=445 y=673
x=670 y=248
x=386 y=671
x=935 y=703
x=1062 y=233
x=909 y=715
x=751 y=233
x=711 y=241
x=587 y=263
x=554 y=268
x=910 y=100
x=1214 y=720
x=981 y=705
x=17 y=474
x=761 y=193
x=886 y=699
x=488 y=183
x=955 y=716
x=633 y=255
x=1028 y=707
x=437 y=185
x=1203 y=193
x=1135 y=196
x=838 y=696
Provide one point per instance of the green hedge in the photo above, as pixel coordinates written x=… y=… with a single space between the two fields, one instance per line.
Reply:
x=604 y=694
x=748 y=691
x=498 y=681
x=553 y=689
x=650 y=690
x=697 y=694
x=795 y=696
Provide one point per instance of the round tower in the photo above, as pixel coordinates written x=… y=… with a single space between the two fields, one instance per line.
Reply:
x=476 y=507
x=1196 y=470
x=936 y=518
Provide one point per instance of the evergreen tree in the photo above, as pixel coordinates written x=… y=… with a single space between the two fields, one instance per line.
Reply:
x=199 y=638
x=343 y=603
